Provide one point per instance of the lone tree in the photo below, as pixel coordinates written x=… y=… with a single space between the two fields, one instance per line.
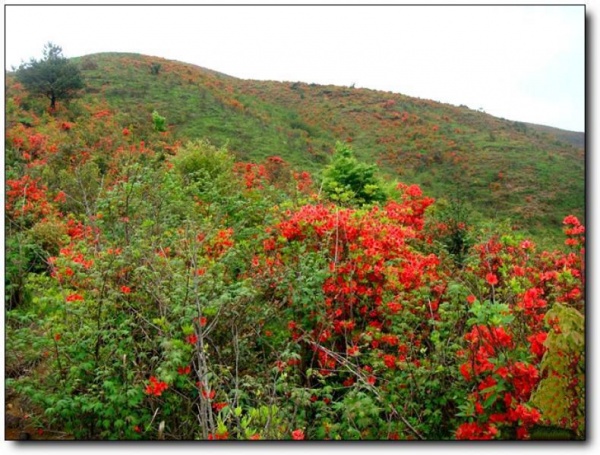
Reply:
x=54 y=76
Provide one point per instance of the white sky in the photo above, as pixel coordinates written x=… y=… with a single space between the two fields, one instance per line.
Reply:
x=518 y=62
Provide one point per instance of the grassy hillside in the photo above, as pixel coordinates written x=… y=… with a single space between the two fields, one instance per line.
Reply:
x=504 y=169
x=569 y=137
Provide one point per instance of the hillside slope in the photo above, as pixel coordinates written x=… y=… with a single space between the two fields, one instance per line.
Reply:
x=504 y=169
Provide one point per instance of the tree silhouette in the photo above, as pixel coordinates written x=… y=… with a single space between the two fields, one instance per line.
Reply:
x=54 y=76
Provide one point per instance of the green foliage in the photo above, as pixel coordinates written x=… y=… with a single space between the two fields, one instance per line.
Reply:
x=159 y=123
x=23 y=256
x=455 y=215
x=54 y=76
x=561 y=393
x=348 y=181
x=208 y=168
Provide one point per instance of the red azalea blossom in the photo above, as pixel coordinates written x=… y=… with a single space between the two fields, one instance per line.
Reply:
x=298 y=435
x=218 y=436
x=210 y=395
x=352 y=350
x=156 y=387
x=491 y=279
x=218 y=406
x=184 y=370
x=572 y=220
x=192 y=339
x=475 y=431
x=389 y=360
x=60 y=197
x=74 y=297
x=537 y=341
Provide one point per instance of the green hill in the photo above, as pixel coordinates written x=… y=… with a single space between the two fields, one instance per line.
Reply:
x=505 y=169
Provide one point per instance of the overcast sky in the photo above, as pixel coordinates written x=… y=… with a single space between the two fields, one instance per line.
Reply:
x=522 y=63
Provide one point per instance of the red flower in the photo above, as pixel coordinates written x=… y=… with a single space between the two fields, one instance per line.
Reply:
x=537 y=344
x=572 y=220
x=125 y=289
x=491 y=279
x=192 y=339
x=352 y=350
x=218 y=436
x=137 y=429
x=156 y=387
x=184 y=370
x=465 y=370
x=478 y=408
x=126 y=132
x=218 y=406
x=473 y=431
x=209 y=395
x=298 y=435
x=60 y=197
x=74 y=297
x=57 y=337
x=471 y=299
x=389 y=360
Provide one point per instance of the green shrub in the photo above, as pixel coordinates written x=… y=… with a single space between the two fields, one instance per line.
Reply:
x=346 y=180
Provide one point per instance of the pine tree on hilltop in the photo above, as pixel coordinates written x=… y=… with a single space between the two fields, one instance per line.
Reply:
x=54 y=76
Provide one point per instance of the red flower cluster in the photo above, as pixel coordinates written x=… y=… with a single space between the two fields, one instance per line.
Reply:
x=370 y=263
x=220 y=244
x=218 y=406
x=74 y=298
x=156 y=387
x=192 y=339
x=184 y=370
x=125 y=289
x=218 y=436
x=26 y=196
x=476 y=431
x=254 y=175
x=574 y=231
x=491 y=279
